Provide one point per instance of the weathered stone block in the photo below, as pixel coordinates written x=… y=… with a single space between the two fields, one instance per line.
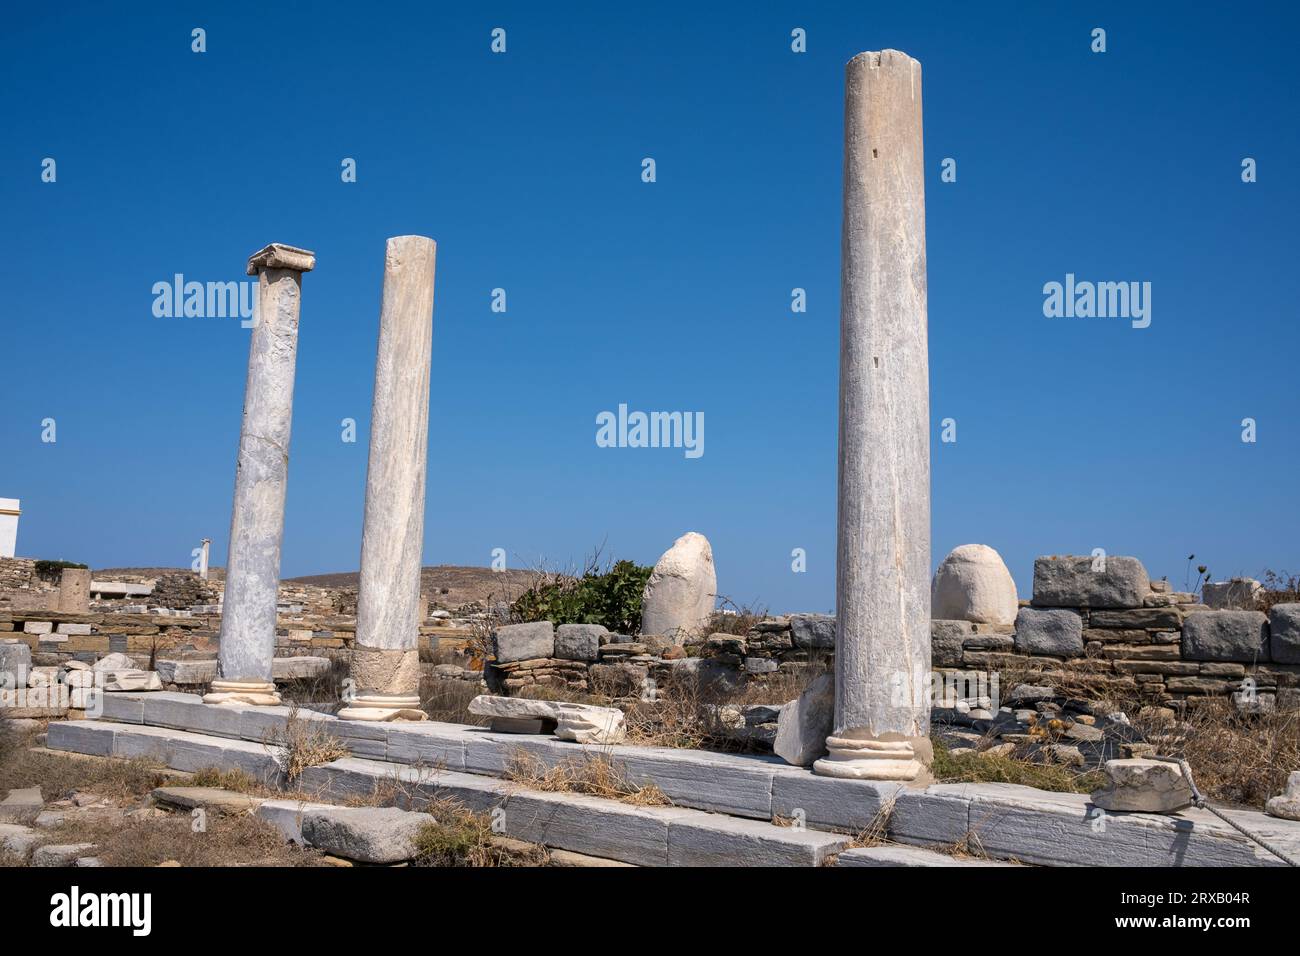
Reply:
x=1150 y=618
x=366 y=834
x=579 y=642
x=1284 y=629
x=804 y=724
x=1116 y=582
x=947 y=638
x=1226 y=636
x=812 y=631
x=1056 y=632
x=521 y=642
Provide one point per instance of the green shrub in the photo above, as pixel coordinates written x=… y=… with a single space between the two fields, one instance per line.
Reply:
x=52 y=569
x=611 y=598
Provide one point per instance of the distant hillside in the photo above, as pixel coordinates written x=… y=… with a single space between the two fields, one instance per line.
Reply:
x=446 y=584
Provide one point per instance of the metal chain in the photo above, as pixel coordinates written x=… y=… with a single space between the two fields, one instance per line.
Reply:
x=1198 y=800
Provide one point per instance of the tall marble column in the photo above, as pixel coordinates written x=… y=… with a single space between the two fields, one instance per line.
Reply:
x=385 y=656
x=882 y=652
x=261 y=478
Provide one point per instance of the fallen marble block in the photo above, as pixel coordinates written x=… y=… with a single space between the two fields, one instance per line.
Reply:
x=131 y=680
x=1286 y=806
x=588 y=724
x=517 y=715
x=365 y=834
x=1141 y=785
x=805 y=723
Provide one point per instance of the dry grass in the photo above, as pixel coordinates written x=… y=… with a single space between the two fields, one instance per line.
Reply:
x=593 y=775
x=59 y=776
x=303 y=743
x=459 y=838
x=986 y=768
x=239 y=781
x=1237 y=759
x=876 y=832
x=731 y=618
x=240 y=840
x=448 y=701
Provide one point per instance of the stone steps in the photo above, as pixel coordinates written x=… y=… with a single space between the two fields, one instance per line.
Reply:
x=1008 y=821
x=910 y=856
x=642 y=835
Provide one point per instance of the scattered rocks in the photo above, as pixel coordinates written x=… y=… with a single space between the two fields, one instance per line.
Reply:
x=1143 y=785
x=60 y=854
x=973 y=584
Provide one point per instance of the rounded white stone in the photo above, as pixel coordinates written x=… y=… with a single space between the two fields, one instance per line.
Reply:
x=973 y=584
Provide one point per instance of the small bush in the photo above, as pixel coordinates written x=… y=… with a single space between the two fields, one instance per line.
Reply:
x=52 y=570
x=611 y=598
x=304 y=743
x=457 y=837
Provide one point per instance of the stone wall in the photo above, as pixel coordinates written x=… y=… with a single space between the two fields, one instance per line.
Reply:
x=1095 y=629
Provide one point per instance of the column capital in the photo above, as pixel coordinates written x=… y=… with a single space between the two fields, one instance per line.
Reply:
x=279 y=256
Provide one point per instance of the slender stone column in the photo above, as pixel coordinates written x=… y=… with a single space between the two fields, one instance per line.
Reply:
x=882 y=655
x=385 y=656
x=203 y=558
x=261 y=479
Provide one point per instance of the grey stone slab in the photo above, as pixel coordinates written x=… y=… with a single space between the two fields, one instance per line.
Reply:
x=494 y=753
x=521 y=642
x=940 y=814
x=185 y=712
x=362 y=738
x=94 y=737
x=830 y=802
x=1284 y=633
x=1085 y=581
x=705 y=781
x=713 y=839
x=1064 y=829
x=286 y=816
x=366 y=834
x=906 y=856
x=430 y=744
x=1055 y=632
x=1226 y=636
x=631 y=834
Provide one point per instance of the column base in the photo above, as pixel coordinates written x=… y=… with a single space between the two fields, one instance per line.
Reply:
x=383 y=707
x=871 y=758
x=260 y=693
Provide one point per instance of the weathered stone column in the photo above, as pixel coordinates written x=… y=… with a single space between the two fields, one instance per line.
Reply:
x=385 y=656
x=203 y=558
x=261 y=479
x=74 y=590
x=882 y=651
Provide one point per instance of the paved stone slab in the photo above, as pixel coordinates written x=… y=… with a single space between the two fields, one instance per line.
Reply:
x=721 y=782
x=93 y=737
x=207 y=798
x=17 y=839
x=906 y=856
x=718 y=840
x=21 y=806
x=286 y=816
x=830 y=802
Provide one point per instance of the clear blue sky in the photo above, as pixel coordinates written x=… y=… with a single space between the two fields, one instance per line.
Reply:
x=1072 y=433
